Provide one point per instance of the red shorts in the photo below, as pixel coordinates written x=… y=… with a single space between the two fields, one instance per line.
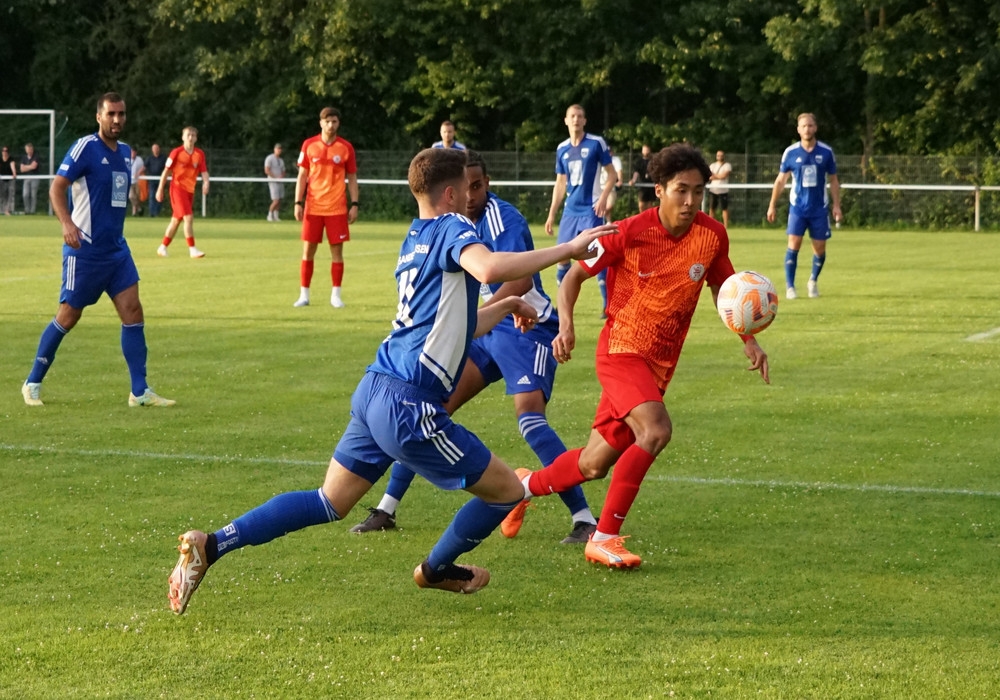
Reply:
x=181 y=203
x=335 y=225
x=626 y=382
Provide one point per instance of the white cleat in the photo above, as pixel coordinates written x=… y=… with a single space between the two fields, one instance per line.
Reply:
x=195 y=253
x=335 y=300
x=162 y=251
x=813 y=289
x=148 y=398
x=790 y=294
x=301 y=302
x=189 y=570
x=32 y=393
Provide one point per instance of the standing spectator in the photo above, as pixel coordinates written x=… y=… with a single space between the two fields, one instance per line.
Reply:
x=183 y=166
x=640 y=177
x=96 y=258
x=661 y=259
x=448 y=137
x=154 y=168
x=29 y=190
x=325 y=162
x=578 y=160
x=8 y=174
x=810 y=163
x=135 y=191
x=718 y=188
x=274 y=168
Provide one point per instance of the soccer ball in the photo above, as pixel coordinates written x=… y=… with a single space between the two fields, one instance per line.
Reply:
x=748 y=302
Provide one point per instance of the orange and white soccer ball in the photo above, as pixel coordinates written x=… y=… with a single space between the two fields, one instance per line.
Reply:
x=748 y=302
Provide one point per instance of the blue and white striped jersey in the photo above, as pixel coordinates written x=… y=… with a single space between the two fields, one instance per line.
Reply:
x=436 y=315
x=581 y=164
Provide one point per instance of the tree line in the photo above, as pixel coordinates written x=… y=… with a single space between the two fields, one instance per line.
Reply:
x=883 y=77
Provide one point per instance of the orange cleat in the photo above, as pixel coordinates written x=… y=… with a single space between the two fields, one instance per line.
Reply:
x=511 y=525
x=455 y=578
x=612 y=553
x=189 y=570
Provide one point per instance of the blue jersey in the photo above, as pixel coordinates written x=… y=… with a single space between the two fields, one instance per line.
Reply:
x=454 y=144
x=98 y=195
x=581 y=164
x=436 y=316
x=504 y=229
x=809 y=170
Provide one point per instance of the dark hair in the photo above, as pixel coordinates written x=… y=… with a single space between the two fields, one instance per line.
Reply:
x=108 y=97
x=433 y=169
x=329 y=112
x=676 y=158
x=474 y=159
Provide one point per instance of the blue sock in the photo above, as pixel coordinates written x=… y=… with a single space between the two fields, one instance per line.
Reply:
x=546 y=445
x=818 y=261
x=471 y=525
x=791 y=263
x=602 y=284
x=286 y=512
x=47 y=346
x=399 y=481
x=134 y=350
x=561 y=270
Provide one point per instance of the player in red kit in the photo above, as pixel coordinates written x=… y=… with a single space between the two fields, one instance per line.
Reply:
x=184 y=164
x=326 y=163
x=657 y=266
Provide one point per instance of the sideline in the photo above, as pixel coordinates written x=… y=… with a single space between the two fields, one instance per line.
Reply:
x=983 y=336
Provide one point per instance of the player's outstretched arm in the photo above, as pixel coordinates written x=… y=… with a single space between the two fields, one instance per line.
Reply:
x=758 y=358
x=569 y=291
x=490 y=315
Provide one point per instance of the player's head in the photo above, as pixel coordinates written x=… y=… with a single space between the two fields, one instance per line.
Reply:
x=329 y=121
x=806 y=126
x=110 y=116
x=447 y=132
x=679 y=172
x=189 y=137
x=439 y=172
x=479 y=184
x=576 y=119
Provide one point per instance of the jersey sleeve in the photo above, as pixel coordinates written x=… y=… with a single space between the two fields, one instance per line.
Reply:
x=351 y=166
x=721 y=267
x=560 y=165
x=609 y=251
x=73 y=165
x=460 y=233
x=202 y=162
x=514 y=234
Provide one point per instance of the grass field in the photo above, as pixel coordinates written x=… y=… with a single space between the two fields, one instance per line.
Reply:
x=833 y=535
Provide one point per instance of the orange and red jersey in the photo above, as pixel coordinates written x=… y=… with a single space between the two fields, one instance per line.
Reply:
x=654 y=283
x=327 y=166
x=186 y=167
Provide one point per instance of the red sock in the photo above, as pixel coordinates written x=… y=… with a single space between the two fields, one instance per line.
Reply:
x=626 y=478
x=337 y=273
x=306 y=273
x=167 y=241
x=562 y=475
x=190 y=241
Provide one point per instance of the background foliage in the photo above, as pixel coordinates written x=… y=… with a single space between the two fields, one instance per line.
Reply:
x=900 y=77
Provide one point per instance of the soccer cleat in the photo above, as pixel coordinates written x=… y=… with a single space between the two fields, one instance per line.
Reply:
x=32 y=393
x=377 y=519
x=455 y=578
x=335 y=300
x=301 y=302
x=791 y=294
x=195 y=253
x=580 y=534
x=189 y=570
x=148 y=398
x=611 y=553
x=511 y=525
x=813 y=288
x=162 y=251
x=270 y=216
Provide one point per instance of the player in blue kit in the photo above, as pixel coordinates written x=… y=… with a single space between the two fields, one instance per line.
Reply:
x=397 y=411
x=809 y=163
x=523 y=360
x=96 y=259
x=579 y=161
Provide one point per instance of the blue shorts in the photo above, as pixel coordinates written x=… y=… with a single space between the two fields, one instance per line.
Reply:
x=571 y=226
x=392 y=420
x=84 y=280
x=819 y=226
x=525 y=363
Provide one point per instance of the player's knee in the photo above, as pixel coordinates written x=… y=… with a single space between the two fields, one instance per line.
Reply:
x=654 y=438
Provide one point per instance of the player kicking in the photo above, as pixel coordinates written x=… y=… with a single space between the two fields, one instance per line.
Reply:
x=523 y=360
x=656 y=269
x=397 y=411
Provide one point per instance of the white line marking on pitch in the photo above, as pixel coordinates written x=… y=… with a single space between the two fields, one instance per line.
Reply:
x=816 y=485
x=983 y=336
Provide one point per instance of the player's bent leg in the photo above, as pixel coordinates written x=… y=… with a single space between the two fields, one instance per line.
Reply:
x=384 y=516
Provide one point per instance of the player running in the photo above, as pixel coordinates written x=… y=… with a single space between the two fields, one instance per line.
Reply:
x=184 y=164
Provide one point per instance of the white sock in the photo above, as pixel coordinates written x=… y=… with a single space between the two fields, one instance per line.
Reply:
x=599 y=536
x=527 y=491
x=584 y=516
x=304 y=293
x=388 y=504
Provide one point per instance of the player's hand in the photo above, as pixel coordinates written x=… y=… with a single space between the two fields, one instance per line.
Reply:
x=548 y=226
x=525 y=316
x=563 y=344
x=71 y=235
x=771 y=215
x=582 y=248
x=159 y=195
x=758 y=359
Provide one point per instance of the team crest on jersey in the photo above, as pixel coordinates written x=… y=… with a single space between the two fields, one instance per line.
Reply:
x=819 y=158
x=584 y=152
x=336 y=159
x=696 y=272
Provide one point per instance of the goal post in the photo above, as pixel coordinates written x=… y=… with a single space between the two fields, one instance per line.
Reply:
x=51 y=113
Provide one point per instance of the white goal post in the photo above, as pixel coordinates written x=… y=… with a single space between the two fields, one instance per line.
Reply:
x=52 y=138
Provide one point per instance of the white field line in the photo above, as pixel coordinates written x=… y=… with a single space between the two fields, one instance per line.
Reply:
x=983 y=336
x=757 y=483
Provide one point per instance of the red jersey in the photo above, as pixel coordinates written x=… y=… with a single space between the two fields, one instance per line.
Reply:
x=186 y=167
x=327 y=167
x=654 y=283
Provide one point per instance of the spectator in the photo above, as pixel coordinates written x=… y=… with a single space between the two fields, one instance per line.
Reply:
x=29 y=190
x=274 y=168
x=718 y=188
x=154 y=168
x=135 y=192
x=8 y=173
x=640 y=178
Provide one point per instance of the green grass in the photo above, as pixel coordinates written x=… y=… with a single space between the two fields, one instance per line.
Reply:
x=833 y=535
